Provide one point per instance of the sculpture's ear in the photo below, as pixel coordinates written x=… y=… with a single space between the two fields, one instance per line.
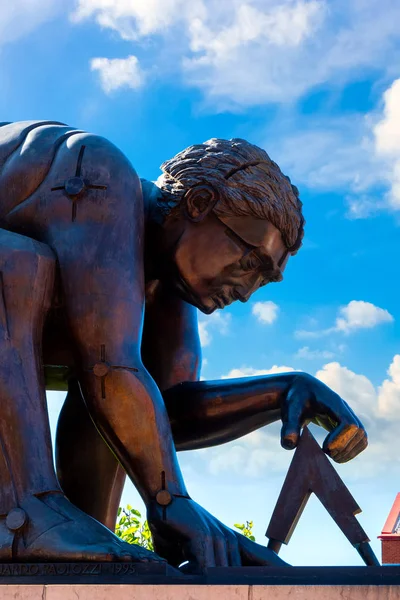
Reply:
x=199 y=200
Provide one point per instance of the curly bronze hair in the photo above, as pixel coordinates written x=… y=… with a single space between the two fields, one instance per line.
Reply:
x=250 y=183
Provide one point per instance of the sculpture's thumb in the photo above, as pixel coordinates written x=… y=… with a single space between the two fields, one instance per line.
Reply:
x=292 y=410
x=290 y=435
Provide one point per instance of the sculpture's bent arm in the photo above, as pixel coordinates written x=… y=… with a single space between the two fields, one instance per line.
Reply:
x=101 y=268
x=208 y=413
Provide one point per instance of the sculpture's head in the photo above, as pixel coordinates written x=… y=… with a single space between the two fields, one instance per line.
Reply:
x=235 y=220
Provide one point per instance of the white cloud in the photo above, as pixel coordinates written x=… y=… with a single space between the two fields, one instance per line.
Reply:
x=378 y=408
x=328 y=153
x=242 y=60
x=19 y=17
x=361 y=315
x=205 y=337
x=279 y=25
x=304 y=334
x=216 y=322
x=265 y=312
x=389 y=392
x=364 y=206
x=118 y=72
x=387 y=130
x=232 y=459
x=251 y=372
x=255 y=455
x=255 y=52
x=246 y=53
x=357 y=390
x=229 y=54
x=357 y=314
x=308 y=354
x=133 y=19
x=358 y=153
x=387 y=139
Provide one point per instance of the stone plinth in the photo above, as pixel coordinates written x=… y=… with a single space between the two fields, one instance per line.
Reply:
x=198 y=592
x=116 y=581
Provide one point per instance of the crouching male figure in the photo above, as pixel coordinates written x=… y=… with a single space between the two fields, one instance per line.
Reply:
x=108 y=271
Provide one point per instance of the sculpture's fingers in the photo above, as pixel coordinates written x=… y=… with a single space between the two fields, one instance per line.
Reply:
x=339 y=438
x=255 y=555
x=220 y=549
x=235 y=559
x=292 y=417
x=200 y=553
x=362 y=444
x=171 y=552
x=340 y=455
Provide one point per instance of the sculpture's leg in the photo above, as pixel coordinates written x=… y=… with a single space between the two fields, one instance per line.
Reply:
x=26 y=464
x=37 y=522
x=89 y=474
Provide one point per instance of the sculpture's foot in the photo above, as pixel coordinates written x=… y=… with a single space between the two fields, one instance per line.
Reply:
x=49 y=528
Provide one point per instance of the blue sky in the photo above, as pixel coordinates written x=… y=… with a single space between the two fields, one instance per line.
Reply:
x=317 y=84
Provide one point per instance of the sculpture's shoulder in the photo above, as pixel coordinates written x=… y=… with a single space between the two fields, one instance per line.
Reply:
x=25 y=140
x=16 y=137
x=29 y=149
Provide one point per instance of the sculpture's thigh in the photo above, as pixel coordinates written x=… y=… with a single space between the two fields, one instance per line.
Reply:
x=88 y=472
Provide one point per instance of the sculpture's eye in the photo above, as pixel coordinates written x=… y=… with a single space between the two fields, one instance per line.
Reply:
x=251 y=262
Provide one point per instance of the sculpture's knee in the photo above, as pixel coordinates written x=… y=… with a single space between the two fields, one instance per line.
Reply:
x=27 y=269
x=13 y=245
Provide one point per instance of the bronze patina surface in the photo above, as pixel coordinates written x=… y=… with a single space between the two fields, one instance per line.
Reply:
x=100 y=276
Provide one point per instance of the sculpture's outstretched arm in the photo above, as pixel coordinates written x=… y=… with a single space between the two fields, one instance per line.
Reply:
x=207 y=413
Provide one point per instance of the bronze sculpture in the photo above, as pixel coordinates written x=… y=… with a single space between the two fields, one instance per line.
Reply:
x=107 y=270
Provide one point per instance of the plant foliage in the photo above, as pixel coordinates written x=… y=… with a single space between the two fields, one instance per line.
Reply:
x=132 y=528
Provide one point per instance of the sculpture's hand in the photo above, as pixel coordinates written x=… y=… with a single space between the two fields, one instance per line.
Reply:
x=308 y=399
x=184 y=531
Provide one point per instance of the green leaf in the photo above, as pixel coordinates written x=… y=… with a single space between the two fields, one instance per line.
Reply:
x=131 y=531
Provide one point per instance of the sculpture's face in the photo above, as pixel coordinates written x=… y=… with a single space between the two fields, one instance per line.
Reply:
x=222 y=259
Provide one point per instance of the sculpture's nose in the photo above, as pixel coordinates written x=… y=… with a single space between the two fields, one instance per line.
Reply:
x=244 y=297
x=244 y=292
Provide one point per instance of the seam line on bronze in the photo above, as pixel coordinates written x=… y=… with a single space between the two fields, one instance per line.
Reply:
x=57 y=145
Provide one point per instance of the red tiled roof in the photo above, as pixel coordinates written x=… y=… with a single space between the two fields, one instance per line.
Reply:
x=391 y=529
